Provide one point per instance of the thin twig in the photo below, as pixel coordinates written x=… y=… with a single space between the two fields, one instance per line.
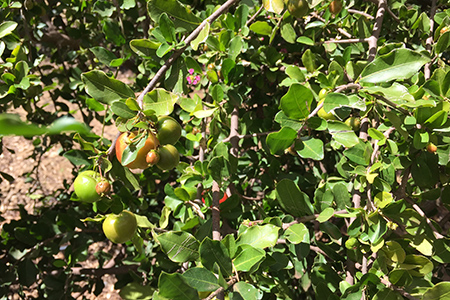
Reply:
x=187 y=41
x=373 y=39
x=347 y=41
x=429 y=41
x=397 y=289
x=221 y=289
x=354 y=11
x=341 y=31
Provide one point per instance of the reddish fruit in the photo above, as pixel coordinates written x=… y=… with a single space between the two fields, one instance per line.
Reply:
x=140 y=162
x=103 y=187
x=152 y=157
x=223 y=199
x=431 y=148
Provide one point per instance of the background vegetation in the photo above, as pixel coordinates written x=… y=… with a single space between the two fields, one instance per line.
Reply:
x=318 y=207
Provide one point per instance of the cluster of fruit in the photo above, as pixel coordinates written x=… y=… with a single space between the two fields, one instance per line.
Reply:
x=157 y=150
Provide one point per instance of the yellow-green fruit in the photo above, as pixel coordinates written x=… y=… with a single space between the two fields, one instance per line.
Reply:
x=120 y=228
x=322 y=94
x=325 y=115
x=212 y=76
x=297 y=8
x=354 y=123
x=169 y=157
x=85 y=184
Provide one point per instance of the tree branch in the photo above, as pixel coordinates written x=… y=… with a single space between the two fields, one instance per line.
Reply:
x=177 y=53
x=429 y=41
x=373 y=39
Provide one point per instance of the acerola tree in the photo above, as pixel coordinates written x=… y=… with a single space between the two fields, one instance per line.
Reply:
x=353 y=206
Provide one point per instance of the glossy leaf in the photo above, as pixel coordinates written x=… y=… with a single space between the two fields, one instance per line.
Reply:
x=292 y=199
x=179 y=13
x=214 y=252
x=310 y=148
x=174 y=286
x=105 y=89
x=396 y=65
x=297 y=233
x=160 y=101
x=247 y=257
x=7 y=27
x=259 y=236
x=281 y=140
x=296 y=103
x=440 y=291
x=179 y=246
x=275 y=6
x=201 y=279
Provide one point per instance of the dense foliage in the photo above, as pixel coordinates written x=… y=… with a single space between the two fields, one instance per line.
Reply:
x=314 y=150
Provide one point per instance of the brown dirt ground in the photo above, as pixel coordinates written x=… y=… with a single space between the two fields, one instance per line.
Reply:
x=48 y=176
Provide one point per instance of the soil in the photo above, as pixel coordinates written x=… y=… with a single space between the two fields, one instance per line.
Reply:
x=34 y=180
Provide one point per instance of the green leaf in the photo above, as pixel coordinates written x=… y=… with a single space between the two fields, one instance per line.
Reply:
x=296 y=103
x=343 y=134
x=310 y=148
x=179 y=246
x=103 y=55
x=297 y=233
x=160 y=101
x=387 y=294
x=417 y=265
x=167 y=29
x=174 y=286
x=288 y=33
x=326 y=214
x=305 y=40
x=104 y=8
x=219 y=168
x=214 y=252
x=144 y=47
x=181 y=15
x=443 y=43
x=122 y=110
x=27 y=271
x=201 y=37
x=309 y=60
x=136 y=291
x=248 y=258
x=442 y=251
x=259 y=236
x=279 y=141
x=440 y=291
x=261 y=27
x=292 y=199
x=396 y=93
x=399 y=64
x=7 y=27
x=105 y=89
x=201 y=279
x=246 y=290
x=295 y=72
x=113 y=33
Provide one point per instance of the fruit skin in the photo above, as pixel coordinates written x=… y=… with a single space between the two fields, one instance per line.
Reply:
x=169 y=157
x=103 y=187
x=322 y=94
x=297 y=8
x=335 y=7
x=432 y=148
x=223 y=199
x=323 y=114
x=169 y=130
x=84 y=186
x=152 y=157
x=140 y=161
x=354 y=123
x=120 y=228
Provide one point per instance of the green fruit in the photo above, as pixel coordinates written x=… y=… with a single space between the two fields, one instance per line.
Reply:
x=85 y=186
x=169 y=157
x=354 y=123
x=322 y=94
x=212 y=76
x=297 y=8
x=169 y=130
x=120 y=228
x=325 y=115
